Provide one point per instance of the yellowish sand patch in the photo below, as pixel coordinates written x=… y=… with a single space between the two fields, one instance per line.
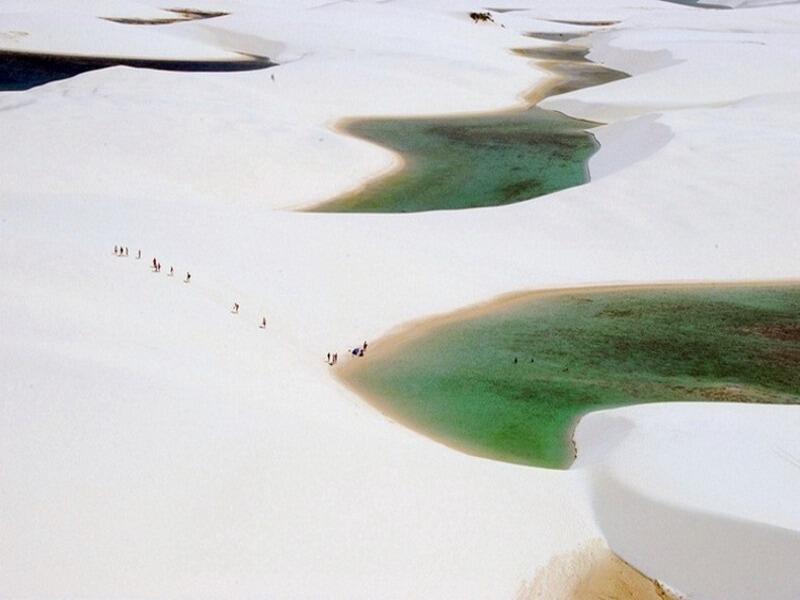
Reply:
x=593 y=572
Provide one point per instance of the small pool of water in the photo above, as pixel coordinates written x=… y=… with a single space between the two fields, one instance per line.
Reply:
x=509 y=382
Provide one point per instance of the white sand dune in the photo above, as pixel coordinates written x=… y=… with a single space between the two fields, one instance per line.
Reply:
x=702 y=496
x=154 y=445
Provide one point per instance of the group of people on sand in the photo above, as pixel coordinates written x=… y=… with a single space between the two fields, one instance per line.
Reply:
x=157 y=269
x=123 y=251
x=359 y=351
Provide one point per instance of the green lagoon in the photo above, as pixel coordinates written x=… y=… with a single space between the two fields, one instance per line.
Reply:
x=509 y=381
x=487 y=159
x=471 y=161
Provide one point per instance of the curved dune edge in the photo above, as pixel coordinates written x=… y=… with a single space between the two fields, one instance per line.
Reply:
x=719 y=480
x=592 y=571
x=743 y=558
x=395 y=163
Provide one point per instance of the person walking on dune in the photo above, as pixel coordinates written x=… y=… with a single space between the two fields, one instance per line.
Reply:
x=139 y=255
x=235 y=308
x=188 y=277
x=115 y=250
x=263 y=322
x=171 y=272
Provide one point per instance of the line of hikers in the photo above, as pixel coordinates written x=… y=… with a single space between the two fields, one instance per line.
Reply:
x=123 y=251
x=156 y=266
x=332 y=358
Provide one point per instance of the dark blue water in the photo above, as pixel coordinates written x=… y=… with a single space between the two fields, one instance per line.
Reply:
x=22 y=71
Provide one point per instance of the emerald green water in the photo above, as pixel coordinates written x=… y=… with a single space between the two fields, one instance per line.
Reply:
x=472 y=161
x=487 y=159
x=579 y=352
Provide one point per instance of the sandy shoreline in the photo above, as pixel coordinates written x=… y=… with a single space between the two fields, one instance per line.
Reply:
x=397 y=162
